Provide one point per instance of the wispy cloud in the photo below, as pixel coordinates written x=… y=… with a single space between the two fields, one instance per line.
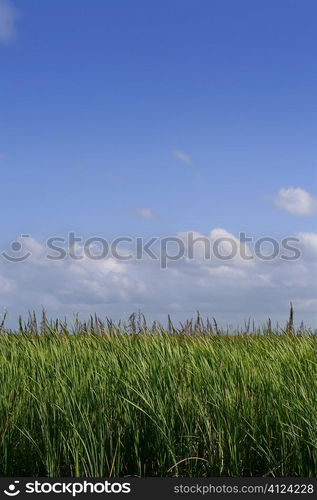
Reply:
x=144 y=213
x=180 y=155
x=8 y=18
x=296 y=201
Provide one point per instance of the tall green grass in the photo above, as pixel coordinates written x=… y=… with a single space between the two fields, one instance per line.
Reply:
x=158 y=405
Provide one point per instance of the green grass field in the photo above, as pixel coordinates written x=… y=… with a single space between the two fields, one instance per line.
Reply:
x=157 y=404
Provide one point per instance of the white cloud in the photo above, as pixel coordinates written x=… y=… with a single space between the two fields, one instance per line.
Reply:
x=8 y=18
x=229 y=290
x=144 y=213
x=227 y=244
x=309 y=246
x=296 y=201
x=226 y=272
x=180 y=155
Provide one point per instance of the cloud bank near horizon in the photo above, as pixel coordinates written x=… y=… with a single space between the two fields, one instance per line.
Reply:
x=229 y=290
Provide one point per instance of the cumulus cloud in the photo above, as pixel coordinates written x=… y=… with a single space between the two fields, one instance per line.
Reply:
x=296 y=201
x=180 y=155
x=223 y=243
x=309 y=246
x=229 y=290
x=8 y=18
x=144 y=213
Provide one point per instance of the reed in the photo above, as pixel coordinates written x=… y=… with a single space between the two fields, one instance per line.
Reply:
x=109 y=399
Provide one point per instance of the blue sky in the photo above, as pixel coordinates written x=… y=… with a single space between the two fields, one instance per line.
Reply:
x=196 y=112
